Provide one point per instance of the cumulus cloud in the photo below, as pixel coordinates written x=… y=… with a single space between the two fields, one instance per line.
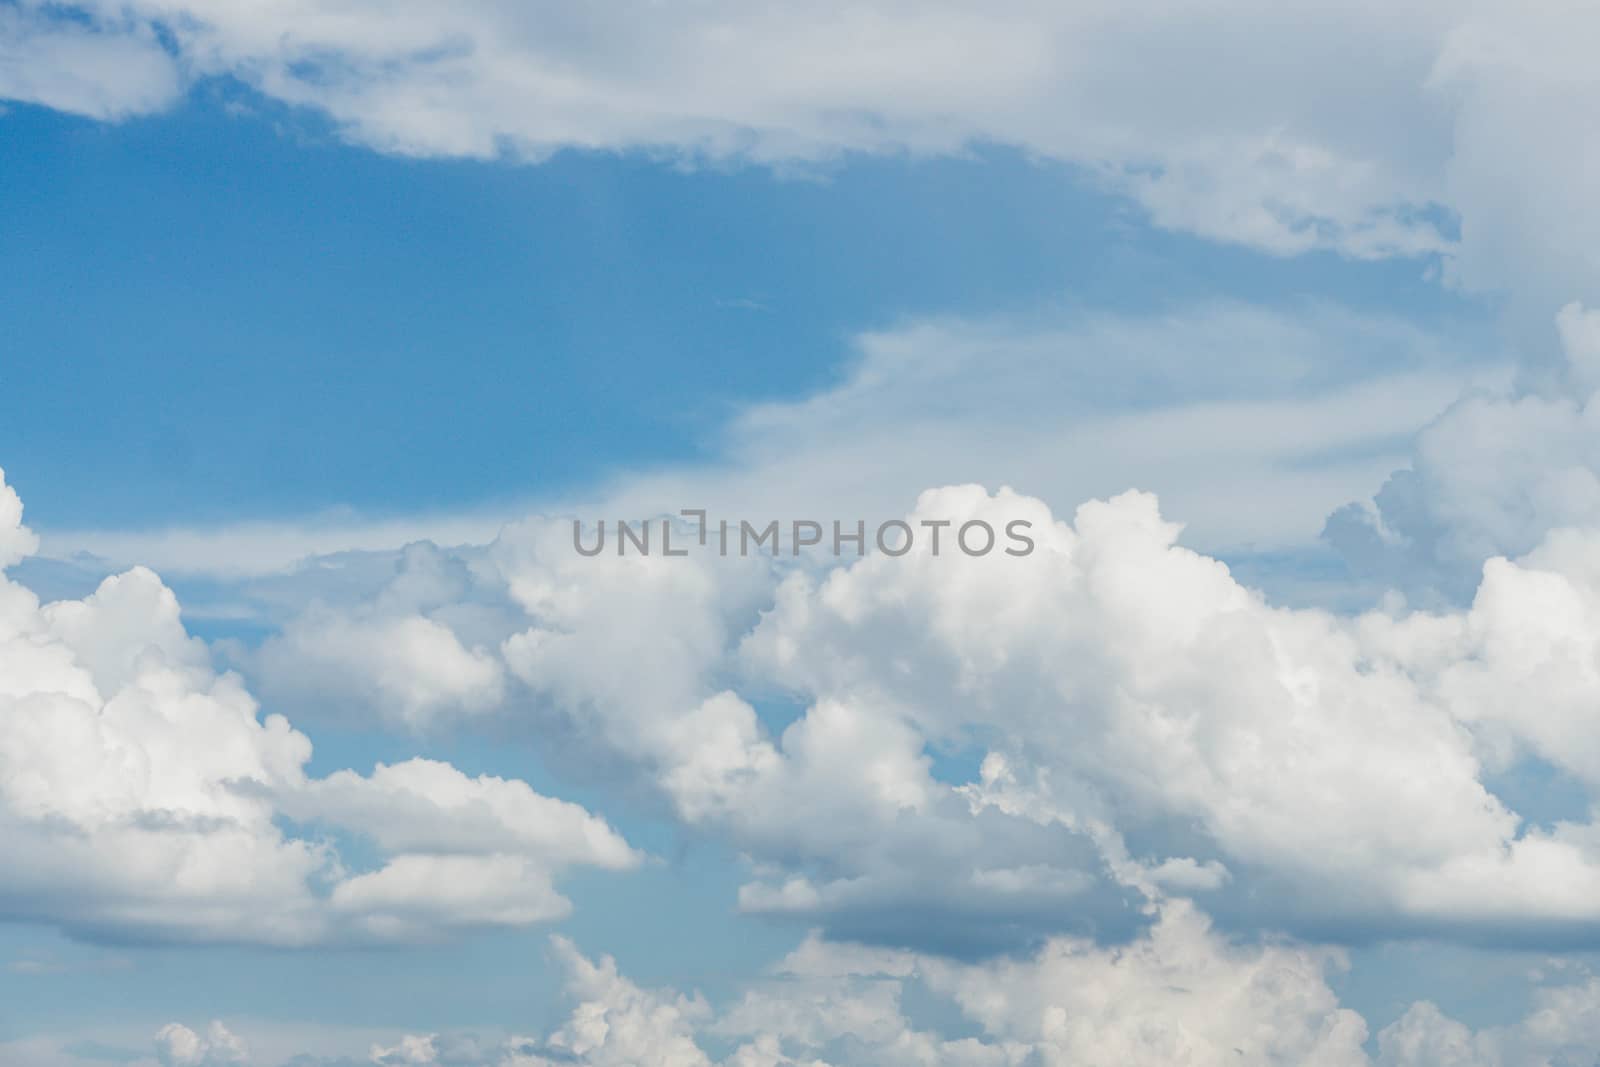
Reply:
x=17 y=542
x=825 y=720
x=1150 y=724
x=1118 y=666
x=412 y=652
x=1563 y=1028
x=412 y=665
x=143 y=795
x=179 y=1046
x=840 y=810
x=1492 y=476
x=1120 y=683
x=1181 y=993
x=1143 y=711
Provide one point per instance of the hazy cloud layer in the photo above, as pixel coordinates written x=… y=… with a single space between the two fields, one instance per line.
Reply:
x=1232 y=119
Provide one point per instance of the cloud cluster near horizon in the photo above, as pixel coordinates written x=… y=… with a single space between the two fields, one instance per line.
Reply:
x=1181 y=994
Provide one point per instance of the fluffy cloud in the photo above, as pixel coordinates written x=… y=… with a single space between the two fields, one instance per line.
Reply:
x=414 y=651
x=1143 y=711
x=1181 y=993
x=1492 y=476
x=1151 y=724
x=17 y=542
x=1561 y=1030
x=179 y=1046
x=141 y=794
x=1138 y=682
x=412 y=665
x=840 y=811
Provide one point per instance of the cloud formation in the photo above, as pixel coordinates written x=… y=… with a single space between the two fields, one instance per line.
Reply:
x=1494 y=475
x=1136 y=682
x=731 y=82
x=1136 y=709
x=179 y=1046
x=1230 y=119
x=142 y=796
x=1073 y=759
x=1181 y=993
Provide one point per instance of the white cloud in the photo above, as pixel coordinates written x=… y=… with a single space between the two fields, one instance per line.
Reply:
x=425 y=806
x=413 y=651
x=110 y=70
x=1234 y=150
x=1182 y=993
x=415 y=666
x=617 y=1023
x=1147 y=715
x=17 y=542
x=1246 y=751
x=414 y=896
x=1179 y=994
x=1493 y=475
x=179 y=1046
x=1563 y=1028
x=1114 y=665
x=141 y=795
x=841 y=809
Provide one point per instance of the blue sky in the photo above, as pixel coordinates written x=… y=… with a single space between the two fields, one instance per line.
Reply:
x=316 y=335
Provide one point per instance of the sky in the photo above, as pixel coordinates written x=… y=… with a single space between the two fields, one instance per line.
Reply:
x=331 y=331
